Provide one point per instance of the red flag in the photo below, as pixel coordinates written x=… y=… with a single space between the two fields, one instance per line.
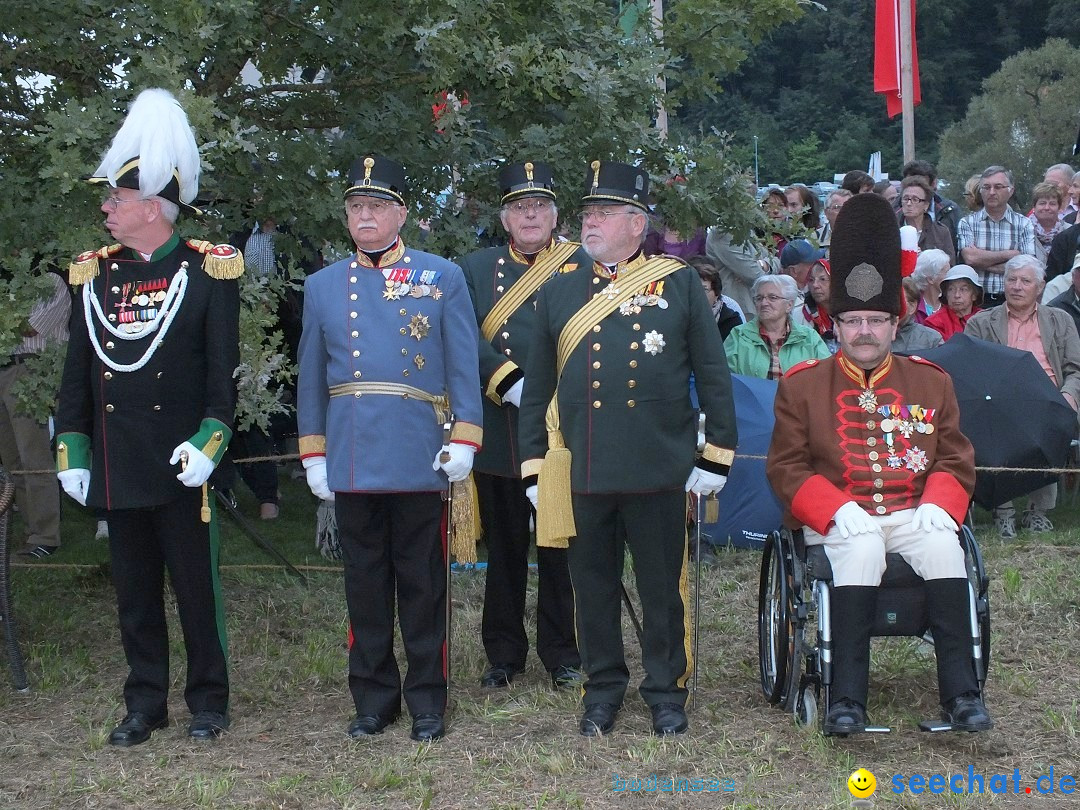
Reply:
x=887 y=55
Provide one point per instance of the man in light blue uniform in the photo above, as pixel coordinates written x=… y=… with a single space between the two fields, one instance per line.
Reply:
x=388 y=352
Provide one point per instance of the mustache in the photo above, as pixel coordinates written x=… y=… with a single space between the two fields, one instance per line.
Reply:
x=866 y=340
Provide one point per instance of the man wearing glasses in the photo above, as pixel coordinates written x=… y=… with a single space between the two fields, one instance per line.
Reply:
x=503 y=282
x=988 y=238
x=609 y=444
x=387 y=353
x=867 y=456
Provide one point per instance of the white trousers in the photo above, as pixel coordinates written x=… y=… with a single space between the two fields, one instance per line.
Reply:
x=860 y=559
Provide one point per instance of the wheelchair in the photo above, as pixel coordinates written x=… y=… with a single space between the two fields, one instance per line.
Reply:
x=794 y=624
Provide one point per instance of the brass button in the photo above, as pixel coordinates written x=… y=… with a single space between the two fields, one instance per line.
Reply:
x=352 y=279
x=596 y=328
x=109 y=408
x=352 y=266
x=878 y=497
x=358 y=395
x=872 y=455
x=876 y=468
x=407 y=260
x=629 y=403
x=596 y=347
x=507 y=352
x=404 y=351
x=405 y=373
x=218 y=435
x=111 y=345
x=871 y=442
x=107 y=375
x=355 y=333
x=879 y=483
x=356 y=353
x=157 y=407
x=352 y=297
x=357 y=374
x=596 y=364
x=631 y=383
x=637 y=327
x=870 y=424
x=401 y=312
x=159 y=374
x=633 y=364
x=505 y=335
x=352 y=314
x=880 y=510
x=499 y=288
x=403 y=330
x=596 y=403
x=595 y=383
x=634 y=345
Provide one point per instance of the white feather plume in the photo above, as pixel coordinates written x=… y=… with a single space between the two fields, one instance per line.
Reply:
x=157 y=131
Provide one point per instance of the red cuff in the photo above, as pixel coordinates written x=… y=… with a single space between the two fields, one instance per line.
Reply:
x=944 y=490
x=816 y=501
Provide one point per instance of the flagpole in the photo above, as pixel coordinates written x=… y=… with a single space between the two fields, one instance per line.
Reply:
x=907 y=84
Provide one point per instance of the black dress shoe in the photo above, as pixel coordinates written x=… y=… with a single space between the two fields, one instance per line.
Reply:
x=598 y=719
x=207 y=725
x=365 y=725
x=428 y=727
x=668 y=718
x=967 y=713
x=135 y=729
x=499 y=676
x=565 y=677
x=845 y=717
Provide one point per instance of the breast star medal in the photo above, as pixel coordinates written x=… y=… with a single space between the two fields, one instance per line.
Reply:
x=653 y=342
x=419 y=361
x=868 y=400
x=419 y=326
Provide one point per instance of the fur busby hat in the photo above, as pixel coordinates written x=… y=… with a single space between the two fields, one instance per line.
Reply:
x=154 y=152
x=865 y=258
x=375 y=176
x=608 y=181
x=528 y=179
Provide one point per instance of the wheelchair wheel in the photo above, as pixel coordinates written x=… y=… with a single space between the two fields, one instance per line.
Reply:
x=980 y=583
x=806 y=708
x=774 y=620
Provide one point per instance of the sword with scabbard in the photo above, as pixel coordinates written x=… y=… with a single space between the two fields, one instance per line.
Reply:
x=444 y=457
x=204 y=511
x=699 y=516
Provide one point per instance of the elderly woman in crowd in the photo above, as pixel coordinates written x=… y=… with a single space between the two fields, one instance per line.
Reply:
x=962 y=292
x=911 y=337
x=772 y=342
x=930 y=269
x=724 y=309
x=1046 y=200
x=915 y=199
x=815 y=309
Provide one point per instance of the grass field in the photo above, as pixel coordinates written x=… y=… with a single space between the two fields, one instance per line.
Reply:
x=516 y=748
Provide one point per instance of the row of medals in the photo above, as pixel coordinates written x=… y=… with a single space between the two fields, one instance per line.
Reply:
x=145 y=299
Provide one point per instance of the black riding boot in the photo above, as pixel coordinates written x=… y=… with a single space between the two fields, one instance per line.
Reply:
x=948 y=605
x=853 y=609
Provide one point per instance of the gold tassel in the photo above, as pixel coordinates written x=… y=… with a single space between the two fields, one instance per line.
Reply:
x=204 y=512
x=555 y=511
x=223 y=262
x=464 y=521
x=712 y=509
x=84 y=269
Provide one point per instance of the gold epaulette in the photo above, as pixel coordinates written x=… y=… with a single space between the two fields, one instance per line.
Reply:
x=85 y=268
x=219 y=261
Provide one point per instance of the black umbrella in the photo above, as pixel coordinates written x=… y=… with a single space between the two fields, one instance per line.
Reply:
x=1012 y=413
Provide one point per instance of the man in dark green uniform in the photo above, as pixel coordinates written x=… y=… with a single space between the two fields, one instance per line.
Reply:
x=615 y=345
x=145 y=412
x=503 y=282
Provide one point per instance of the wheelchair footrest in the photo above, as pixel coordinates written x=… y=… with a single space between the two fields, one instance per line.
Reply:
x=935 y=726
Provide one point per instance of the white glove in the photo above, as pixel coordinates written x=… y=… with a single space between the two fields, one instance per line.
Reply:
x=931 y=516
x=76 y=483
x=198 y=467
x=852 y=519
x=460 y=464
x=532 y=493
x=705 y=483
x=513 y=396
x=315 y=466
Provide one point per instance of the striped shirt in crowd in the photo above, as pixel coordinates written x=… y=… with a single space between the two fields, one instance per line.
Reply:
x=1012 y=232
x=49 y=319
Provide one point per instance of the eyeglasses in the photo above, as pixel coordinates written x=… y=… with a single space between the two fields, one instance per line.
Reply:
x=995 y=187
x=912 y=200
x=537 y=205
x=772 y=299
x=112 y=201
x=874 y=321
x=600 y=216
x=374 y=206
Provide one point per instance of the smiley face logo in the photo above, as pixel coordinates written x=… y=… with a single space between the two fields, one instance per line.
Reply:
x=862 y=784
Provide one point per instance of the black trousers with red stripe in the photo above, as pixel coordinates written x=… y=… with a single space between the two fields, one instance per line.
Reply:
x=393 y=548
x=143 y=543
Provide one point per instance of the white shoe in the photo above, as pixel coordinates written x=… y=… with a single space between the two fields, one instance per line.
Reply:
x=102 y=532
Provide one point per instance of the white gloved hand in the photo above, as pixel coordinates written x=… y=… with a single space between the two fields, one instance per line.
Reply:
x=852 y=519
x=513 y=395
x=533 y=494
x=458 y=467
x=76 y=483
x=315 y=467
x=198 y=468
x=705 y=483
x=931 y=516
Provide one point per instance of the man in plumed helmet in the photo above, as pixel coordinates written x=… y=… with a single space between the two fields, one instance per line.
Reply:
x=388 y=352
x=868 y=456
x=608 y=441
x=503 y=282
x=146 y=411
